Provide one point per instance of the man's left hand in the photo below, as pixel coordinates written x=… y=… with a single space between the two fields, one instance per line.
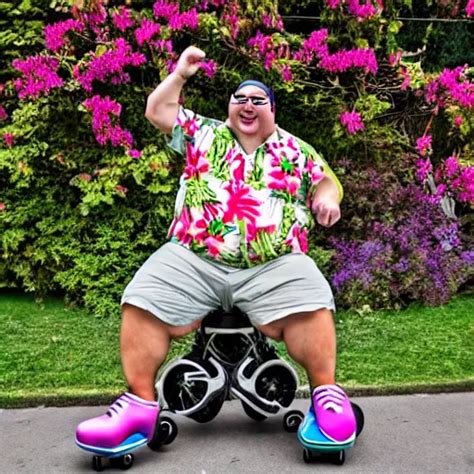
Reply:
x=326 y=210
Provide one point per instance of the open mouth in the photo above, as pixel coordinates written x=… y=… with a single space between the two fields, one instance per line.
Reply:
x=247 y=120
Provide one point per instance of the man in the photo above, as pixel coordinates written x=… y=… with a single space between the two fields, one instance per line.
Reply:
x=238 y=238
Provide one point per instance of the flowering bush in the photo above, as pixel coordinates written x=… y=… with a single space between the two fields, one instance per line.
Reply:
x=87 y=185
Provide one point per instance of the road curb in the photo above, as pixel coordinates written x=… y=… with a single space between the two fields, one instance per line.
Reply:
x=8 y=401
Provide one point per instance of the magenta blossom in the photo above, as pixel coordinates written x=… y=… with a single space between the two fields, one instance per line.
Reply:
x=458 y=120
x=423 y=145
x=39 y=76
x=352 y=121
x=134 y=154
x=8 y=139
x=209 y=67
x=423 y=168
x=110 y=66
x=54 y=34
x=105 y=113
x=470 y=8
x=344 y=60
x=146 y=31
x=3 y=113
x=122 y=19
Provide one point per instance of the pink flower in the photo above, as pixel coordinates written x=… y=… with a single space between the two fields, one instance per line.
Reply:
x=424 y=167
x=458 y=120
x=164 y=9
x=54 y=34
x=233 y=19
x=394 y=58
x=352 y=121
x=406 y=79
x=423 y=145
x=105 y=113
x=347 y=59
x=333 y=4
x=470 y=8
x=122 y=19
x=39 y=76
x=209 y=67
x=314 y=47
x=110 y=66
x=3 y=113
x=286 y=74
x=146 y=31
x=134 y=154
x=8 y=139
x=451 y=166
x=2 y=207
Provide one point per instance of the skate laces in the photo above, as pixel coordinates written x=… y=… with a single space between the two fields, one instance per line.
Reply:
x=329 y=397
x=117 y=407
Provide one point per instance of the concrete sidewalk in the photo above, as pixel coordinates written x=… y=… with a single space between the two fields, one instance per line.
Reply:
x=403 y=434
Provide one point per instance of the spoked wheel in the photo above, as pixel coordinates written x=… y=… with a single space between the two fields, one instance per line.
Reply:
x=165 y=433
x=254 y=414
x=97 y=463
x=359 y=416
x=292 y=420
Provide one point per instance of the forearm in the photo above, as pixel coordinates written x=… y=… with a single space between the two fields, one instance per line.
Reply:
x=326 y=188
x=163 y=103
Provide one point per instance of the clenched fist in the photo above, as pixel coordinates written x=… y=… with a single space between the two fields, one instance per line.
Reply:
x=189 y=62
x=326 y=210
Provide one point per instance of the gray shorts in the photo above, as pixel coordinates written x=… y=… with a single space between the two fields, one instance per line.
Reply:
x=179 y=287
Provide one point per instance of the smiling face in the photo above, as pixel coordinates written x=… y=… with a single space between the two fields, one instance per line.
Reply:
x=254 y=119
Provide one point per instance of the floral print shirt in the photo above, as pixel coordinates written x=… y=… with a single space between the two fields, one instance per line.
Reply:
x=243 y=209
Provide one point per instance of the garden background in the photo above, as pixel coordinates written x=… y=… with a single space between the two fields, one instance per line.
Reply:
x=382 y=89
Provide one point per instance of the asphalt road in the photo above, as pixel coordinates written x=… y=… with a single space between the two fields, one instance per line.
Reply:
x=402 y=434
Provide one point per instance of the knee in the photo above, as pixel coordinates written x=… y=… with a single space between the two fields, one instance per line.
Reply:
x=272 y=331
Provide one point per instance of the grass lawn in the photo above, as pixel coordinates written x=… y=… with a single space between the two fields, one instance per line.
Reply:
x=54 y=355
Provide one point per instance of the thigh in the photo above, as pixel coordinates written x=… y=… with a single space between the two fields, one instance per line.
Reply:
x=175 y=285
x=288 y=285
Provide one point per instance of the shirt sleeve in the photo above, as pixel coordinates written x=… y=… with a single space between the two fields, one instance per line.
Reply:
x=318 y=169
x=186 y=126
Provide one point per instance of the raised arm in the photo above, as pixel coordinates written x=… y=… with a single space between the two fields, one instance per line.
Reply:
x=163 y=103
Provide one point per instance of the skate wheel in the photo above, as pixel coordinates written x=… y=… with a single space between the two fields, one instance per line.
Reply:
x=97 y=464
x=307 y=456
x=359 y=416
x=167 y=430
x=126 y=461
x=292 y=420
x=339 y=458
x=250 y=412
x=165 y=433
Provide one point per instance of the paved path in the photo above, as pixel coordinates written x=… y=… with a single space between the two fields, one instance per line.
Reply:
x=403 y=434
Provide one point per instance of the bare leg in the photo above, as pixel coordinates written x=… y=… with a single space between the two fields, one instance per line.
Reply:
x=310 y=339
x=144 y=345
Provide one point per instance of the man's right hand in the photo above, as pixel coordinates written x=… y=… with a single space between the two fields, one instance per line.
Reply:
x=189 y=62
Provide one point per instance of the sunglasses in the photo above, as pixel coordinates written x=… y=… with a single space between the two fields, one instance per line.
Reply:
x=242 y=99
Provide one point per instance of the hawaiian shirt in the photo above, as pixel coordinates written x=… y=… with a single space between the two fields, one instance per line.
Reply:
x=241 y=209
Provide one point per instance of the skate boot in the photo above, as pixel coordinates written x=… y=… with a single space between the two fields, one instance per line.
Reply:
x=330 y=427
x=128 y=424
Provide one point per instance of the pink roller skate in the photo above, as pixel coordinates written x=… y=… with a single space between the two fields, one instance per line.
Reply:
x=331 y=425
x=129 y=423
x=334 y=413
